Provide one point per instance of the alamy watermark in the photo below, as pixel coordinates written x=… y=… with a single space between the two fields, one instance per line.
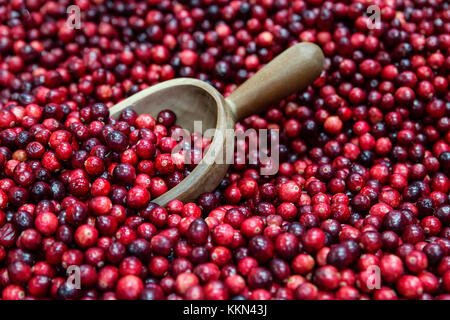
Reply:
x=374 y=279
x=73 y=17
x=74 y=277
x=374 y=21
x=263 y=147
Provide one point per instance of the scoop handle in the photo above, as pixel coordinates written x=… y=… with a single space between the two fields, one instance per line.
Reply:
x=292 y=70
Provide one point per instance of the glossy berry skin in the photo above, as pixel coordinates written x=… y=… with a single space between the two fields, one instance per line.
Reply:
x=19 y=272
x=303 y=264
x=261 y=248
x=416 y=262
x=138 y=197
x=327 y=277
x=289 y=192
x=314 y=239
x=306 y=291
x=46 y=223
x=198 y=232
x=86 y=236
x=410 y=286
x=13 y=292
x=129 y=287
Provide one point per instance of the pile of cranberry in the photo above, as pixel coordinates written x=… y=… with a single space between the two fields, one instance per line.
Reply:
x=360 y=206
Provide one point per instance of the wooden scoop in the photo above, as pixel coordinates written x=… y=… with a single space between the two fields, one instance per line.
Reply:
x=195 y=100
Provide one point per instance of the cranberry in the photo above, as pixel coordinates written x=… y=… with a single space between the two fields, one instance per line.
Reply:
x=261 y=248
x=129 y=287
x=13 y=292
x=410 y=286
x=124 y=174
x=286 y=245
x=327 y=277
x=289 y=192
x=434 y=253
x=161 y=245
x=391 y=268
x=413 y=234
x=107 y=278
x=443 y=214
x=306 y=291
x=46 y=223
x=339 y=256
x=117 y=141
x=137 y=197
x=416 y=261
x=39 y=286
x=86 y=236
x=19 y=272
x=166 y=117
x=314 y=239
x=198 y=232
x=215 y=290
x=100 y=205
